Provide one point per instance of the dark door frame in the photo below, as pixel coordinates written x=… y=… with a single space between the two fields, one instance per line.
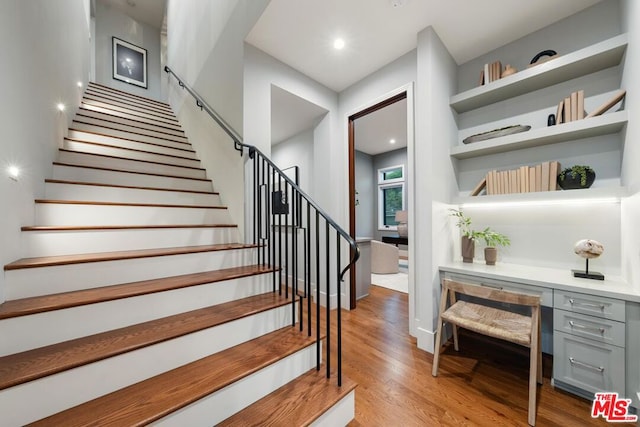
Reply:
x=352 y=178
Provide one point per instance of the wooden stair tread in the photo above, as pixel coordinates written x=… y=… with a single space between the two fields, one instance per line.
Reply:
x=132 y=139
x=102 y=125
x=141 y=205
x=115 y=97
x=156 y=397
x=22 y=367
x=86 y=153
x=94 y=100
x=122 y=227
x=108 y=88
x=134 y=187
x=51 y=302
x=103 y=144
x=128 y=171
x=297 y=403
x=132 y=118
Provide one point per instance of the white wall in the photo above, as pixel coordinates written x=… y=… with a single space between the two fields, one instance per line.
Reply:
x=113 y=23
x=297 y=151
x=41 y=67
x=436 y=131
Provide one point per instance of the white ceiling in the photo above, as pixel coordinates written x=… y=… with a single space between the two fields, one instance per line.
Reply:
x=374 y=131
x=291 y=115
x=150 y=12
x=300 y=33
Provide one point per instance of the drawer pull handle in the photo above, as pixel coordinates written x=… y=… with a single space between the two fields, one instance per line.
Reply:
x=587 y=304
x=586 y=328
x=585 y=365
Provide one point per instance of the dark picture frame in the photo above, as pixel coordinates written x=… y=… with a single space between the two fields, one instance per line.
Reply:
x=129 y=63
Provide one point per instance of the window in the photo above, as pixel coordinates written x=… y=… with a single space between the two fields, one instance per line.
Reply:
x=390 y=196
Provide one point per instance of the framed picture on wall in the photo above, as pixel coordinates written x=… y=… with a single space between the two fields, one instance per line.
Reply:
x=129 y=63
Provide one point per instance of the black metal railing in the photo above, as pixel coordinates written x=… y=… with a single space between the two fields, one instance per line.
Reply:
x=292 y=233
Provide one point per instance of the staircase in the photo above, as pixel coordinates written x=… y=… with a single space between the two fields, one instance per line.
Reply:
x=139 y=304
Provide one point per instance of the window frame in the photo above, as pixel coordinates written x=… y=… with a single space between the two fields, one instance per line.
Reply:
x=384 y=184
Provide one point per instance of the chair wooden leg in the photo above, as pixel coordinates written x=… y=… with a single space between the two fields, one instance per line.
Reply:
x=437 y=347
x=452 y=300
x=533 y=383
x=539 y=353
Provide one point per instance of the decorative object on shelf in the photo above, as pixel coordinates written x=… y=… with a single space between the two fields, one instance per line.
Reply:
x=468 y=235
x=525 y=179
x=402 y=218
x=551 y=120
x=492 y=240
x=576 y=177
x=490 y=73
x=129 y=63
x=617 y=97
x=588 y=249
x=543 y=56
x=496 y=133
x=508 y=70
x=571 y=108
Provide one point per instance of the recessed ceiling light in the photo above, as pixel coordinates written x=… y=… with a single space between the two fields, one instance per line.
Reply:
x=392 y=141
x=338 y=44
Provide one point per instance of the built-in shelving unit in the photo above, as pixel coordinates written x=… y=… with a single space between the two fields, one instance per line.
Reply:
x=585 y=61
x=586 y=128
x=609 y=194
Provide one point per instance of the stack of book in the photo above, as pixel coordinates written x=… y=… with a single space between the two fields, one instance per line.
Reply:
x=526 y=179
x=571 y=108
x=490 y=73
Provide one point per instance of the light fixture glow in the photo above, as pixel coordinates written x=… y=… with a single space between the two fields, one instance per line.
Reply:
x=339 y=44
x=61 y=106
x=14 y=172
x=538 y=203
x=392 y=141
x=79 y=84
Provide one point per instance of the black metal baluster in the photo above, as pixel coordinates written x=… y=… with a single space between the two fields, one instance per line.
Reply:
x=274 y=238
x=286 y=241
x=279 y=239
x=255 y=201
x=328 y=299
x=307 y=266
x=317 y=291
x=339 y=309
x=294 y=244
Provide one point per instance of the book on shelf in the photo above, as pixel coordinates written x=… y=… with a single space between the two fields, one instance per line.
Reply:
x=574 y=106
x=538 y=178
x=481 y=185
x=524 y=179
x=580 y=97
x=567 y=110
x=532 y=179
x=554 y=170
x=487 y=74
x=544 y=177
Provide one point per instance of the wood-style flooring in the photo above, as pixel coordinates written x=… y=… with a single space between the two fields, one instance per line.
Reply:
x=485 y=384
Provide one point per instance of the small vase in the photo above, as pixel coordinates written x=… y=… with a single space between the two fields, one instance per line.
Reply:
x=403 y=229
x=468 y=249
x=573 y=183
x=490 y=255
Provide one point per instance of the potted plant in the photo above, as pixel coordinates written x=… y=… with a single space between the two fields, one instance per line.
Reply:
x=575 y=177
x=468 y=235
x=492 y=239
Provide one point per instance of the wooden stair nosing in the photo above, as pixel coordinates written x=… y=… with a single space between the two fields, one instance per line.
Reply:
x=128 y=139
x=113 y=97
x=121 y=227
x=297 y=403
x=140 y=205
x=63 y=300
x=110 y=113
x=159 y=396
x=94 y=184
x=110 y=89
x=136 y=150
x=126 y=131
x=90 y=96
x=58 y=260
x=102 y=119
x=22 y=367
x=130 y=111
x=128 y=171
x=84 y=153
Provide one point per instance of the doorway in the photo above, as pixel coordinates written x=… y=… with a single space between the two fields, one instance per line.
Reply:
x=373 y=126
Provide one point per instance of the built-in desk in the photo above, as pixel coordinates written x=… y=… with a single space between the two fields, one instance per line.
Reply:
x=591 y=327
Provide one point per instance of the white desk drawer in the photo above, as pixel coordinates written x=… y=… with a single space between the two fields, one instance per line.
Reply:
x=595 y=328
x=588 y=365
x=593 y=305
x=546 y=294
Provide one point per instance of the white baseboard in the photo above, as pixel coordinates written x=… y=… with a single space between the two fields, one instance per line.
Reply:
x=426 y=340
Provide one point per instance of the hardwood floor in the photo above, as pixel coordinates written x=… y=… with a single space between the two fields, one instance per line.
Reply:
x=485 y=384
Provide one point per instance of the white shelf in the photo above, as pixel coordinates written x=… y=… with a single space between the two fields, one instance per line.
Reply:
x=585 y=61
x=585 y=128
x=550 y=197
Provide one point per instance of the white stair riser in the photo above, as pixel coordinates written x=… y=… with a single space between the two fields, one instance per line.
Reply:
x=340 y=414
x=83 y=159
x=43 y=329
x=126 y=100
x=35 y=400
x=81 y=174
x=52 y=243
x=126 y=95
x=130 y=154
x=115 y=129
x=30 y=282
x=131 y=113
x=97 y=118
x=71 y=214
x=140 y=143
x=95 y=193
x=109 y=101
